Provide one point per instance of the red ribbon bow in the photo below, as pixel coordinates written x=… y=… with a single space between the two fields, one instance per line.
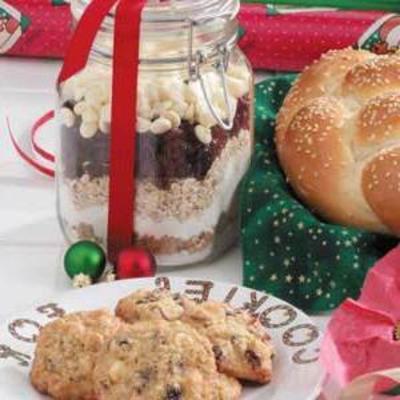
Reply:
x=124 y=101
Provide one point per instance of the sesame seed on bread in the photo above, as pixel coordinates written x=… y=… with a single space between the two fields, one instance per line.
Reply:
x=338 y=139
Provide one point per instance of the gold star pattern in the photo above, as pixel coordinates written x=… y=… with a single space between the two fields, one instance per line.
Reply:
x=288 y=278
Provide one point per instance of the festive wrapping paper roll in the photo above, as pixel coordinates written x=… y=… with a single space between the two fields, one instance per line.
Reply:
x=39 y=28
x=288 y=39
x=275 y=38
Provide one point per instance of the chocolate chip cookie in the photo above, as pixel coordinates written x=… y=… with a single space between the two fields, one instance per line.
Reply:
x=241 y=345
x=66 y=353
x=160 y=360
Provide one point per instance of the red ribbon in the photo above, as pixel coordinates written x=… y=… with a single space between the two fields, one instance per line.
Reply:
x=123 y=127
x=35 y=129
x=43 y=153
x=82 y=41
x=124 y=99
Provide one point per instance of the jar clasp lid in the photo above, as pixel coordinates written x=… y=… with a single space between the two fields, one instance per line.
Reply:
x=195 y=60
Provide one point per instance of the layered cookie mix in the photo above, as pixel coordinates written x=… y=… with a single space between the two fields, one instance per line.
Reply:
x=188 y=167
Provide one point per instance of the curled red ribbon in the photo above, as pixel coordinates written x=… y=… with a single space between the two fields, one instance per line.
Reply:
x=124 y=99
x=35 y=129
x=32 y=161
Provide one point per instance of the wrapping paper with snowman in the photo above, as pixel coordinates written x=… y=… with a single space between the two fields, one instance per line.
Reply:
x=42 y=28
x=288 y=39
x=34 y=28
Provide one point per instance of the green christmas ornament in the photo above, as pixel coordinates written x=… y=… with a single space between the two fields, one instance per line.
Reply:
x=85 y=258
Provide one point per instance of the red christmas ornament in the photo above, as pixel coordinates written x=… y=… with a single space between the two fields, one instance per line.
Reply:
x=135 y=262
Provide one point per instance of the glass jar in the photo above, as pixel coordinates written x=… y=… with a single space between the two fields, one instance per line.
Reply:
x=195 y=132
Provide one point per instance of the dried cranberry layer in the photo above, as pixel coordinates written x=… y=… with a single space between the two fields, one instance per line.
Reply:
x=176 y=154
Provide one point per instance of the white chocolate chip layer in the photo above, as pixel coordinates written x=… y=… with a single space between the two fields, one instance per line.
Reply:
x=160 y=126
x=105 y=127
x=80 y=107
x=88 y=129
x=189 y=115
x=67 y=117
x=143 y=125
x=163 y=101
x=174 y=117
x=203 y=134
x=90 y=115
x=237 y=87
x=105 y=118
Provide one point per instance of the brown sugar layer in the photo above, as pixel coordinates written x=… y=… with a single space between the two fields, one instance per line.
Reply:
x=173 y=245
x=164 y=245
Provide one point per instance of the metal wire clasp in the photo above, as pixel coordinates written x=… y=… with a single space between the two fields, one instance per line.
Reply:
x=195 y=60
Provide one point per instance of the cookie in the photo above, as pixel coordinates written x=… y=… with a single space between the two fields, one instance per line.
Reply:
x=241 y=345
x=160 y=360
x=66 y=353
x=226 y=388
x=150 y=304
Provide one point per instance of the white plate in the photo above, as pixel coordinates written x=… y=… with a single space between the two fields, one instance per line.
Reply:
x=297 y=373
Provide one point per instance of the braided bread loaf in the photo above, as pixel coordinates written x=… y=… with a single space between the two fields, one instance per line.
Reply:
x=338 y=139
